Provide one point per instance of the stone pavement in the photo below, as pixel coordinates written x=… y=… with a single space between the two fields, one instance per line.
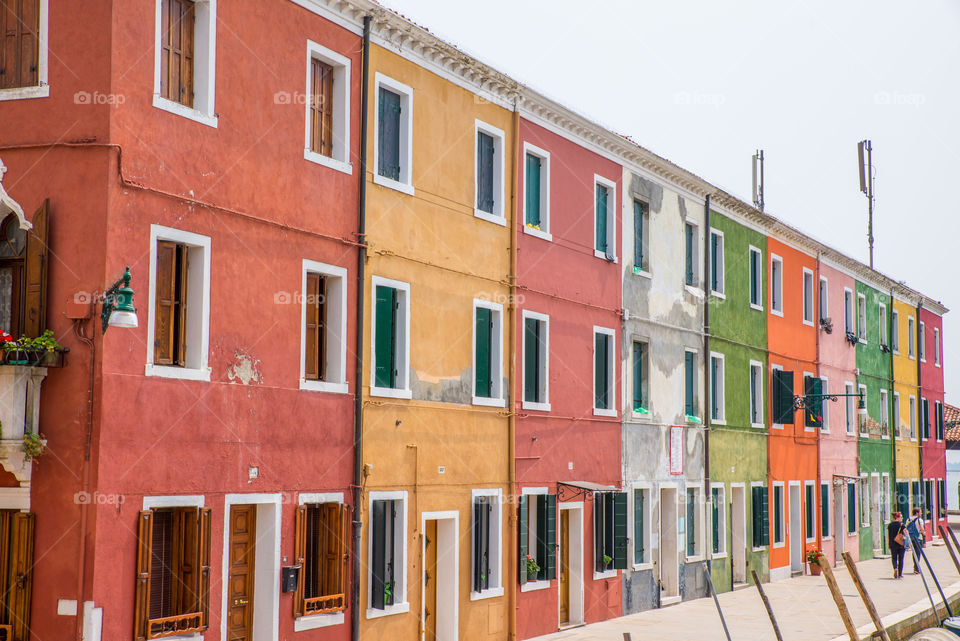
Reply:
x=803 y=607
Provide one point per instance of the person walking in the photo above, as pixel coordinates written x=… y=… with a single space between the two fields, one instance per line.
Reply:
x=896 y=534
x=916 y=530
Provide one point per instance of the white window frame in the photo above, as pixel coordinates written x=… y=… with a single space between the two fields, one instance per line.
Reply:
x=499 y=168
x=496 y=544
x=936 y=346
x=403 y=339
x=937 y=412
x=884 y=412
x=638 y=270
x=196 y=363
x=721 y=392
x=496 y=349
x=863 y=504
x=921 y=343
x=753 y=484
x=895 y=338
x=849 y=313
x=823 y=298
x=699 y=543
x=781 y=517
x=856 y=512
x=774 y=424
x=825 y=413
x=539 y=584
x=816 y=500
x=613 y=363
x=543 y=406
x=830 y=523
x=720 y=267
x=648 y=405
x=911 y=338
x=913 y=417
x=808 y=297
x=722 y=526
x=921 y=419
x=405 y=184
x=204 y=65
x=611 y=217
x=402 y=603
x=314 y=621
x=42 y=88
x=336 y=347
x=849 y=411
x=647 y=562
x=776 y=286
x=697 y=384
x=544 y=156
x=883 y=324
x=896 y=416
x=756 y=395
x=340 y=149
x=808 y=428
x=861 y=322
x=865 y=431
x=751 y=250
x=693 y=288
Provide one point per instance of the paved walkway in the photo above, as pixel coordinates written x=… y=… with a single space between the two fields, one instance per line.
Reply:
x=803 y=607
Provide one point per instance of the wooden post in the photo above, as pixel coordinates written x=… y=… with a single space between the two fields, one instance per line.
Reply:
x=946 y=541
x=953 y=537
x=838 y=598
x=627 y=636
x=766 y=604
x=862 y=589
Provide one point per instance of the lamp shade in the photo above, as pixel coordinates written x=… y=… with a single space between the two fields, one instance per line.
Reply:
x=120 y=318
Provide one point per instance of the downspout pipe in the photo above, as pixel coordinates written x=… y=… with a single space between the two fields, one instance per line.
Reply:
x=819 y=434
x=708 y=545
x=358 y=351
x=894 y=420
x=917 y=352
x=512 y=567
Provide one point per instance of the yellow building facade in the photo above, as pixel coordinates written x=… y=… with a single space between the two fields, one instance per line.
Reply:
x=435 y=424
x=905 y=404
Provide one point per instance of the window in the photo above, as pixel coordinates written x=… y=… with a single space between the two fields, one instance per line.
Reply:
x=17 y=536
x=884 y=414
x=896 y=414
x=603 y=372
x=718 y=515
x=824 y=408
x=911 y=337
x=936 y=346
x=916 y=498
x=641 y=243
x=536 y=189
x=913 y=418
x=883 y=325
x=690 y=254
x=487 y=353
x=609 y=531
x=807 y=297
x=178 y=317
x=693 y=522
x=185 y=36
x=813 y=414
x=487 y=546
x=928 y=488
x=779 y=525
x=641 y=523
x=173 y=571
x=536 y=348
x=941 y=499
x=809 y=512
x=393 y=146
x=864 y=501
x=605 y=204
x=852 y=507
x=22 y=252
x=895 y=338
x=848 y=313
x=756 y=394
x=717 y=404
x=690 y=384
x=321 y=548
x=824 y=510
x=824 y=300
x=640 y=403
x=925 y=418
x=716 y=263
x=23 y=59
x=538 y=536
x=489 y=173
x=922 y=342
x=388 y=554
x=756 y=278
x=323 y=365
x=328 y=109
x=861 y=420
x=848 y=407
x=938 y=419
x=391 y=338
x=759 y=512
x=776 y=285
x=862 y=318
x=781 y=390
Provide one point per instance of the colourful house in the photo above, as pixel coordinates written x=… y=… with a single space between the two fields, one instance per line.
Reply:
x=905 y=401
x=933 y=446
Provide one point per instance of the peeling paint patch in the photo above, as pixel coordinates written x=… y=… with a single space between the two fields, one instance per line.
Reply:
x=245 y=369
x=647 y=191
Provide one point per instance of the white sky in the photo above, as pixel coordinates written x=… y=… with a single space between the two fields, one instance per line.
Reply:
x=706 y=83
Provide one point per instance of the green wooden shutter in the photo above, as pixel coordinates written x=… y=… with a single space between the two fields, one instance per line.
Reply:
x=532 y=190
x=522 y=538
x=484 y=331
x=598 y=531
x=714 y=263
x=638 y=527
x=689 y=384
x=755 y=517
x=754 y=269
x=477 y=545
x=714 y=383
x=811 y=511
x=903 y=503
x=620 y=530
x=601 y=219
x=550 y=536
x=531 y=361
x=688 y=231
x=824 y=510
x=782 y=397
x=638 y=257
x=777 y=515
x=378 y=554
x=926 y=419
x=691 y=523
x=851 y=507
x=389 y=135
x=715 y=517
x=485 y=172
x=601 y=367
x=386 y=340
x=638 y=377
x=813 y=414
x=765 y=515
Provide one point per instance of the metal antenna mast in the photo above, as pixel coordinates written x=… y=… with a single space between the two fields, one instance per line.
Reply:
x=758 y=179
x=865 y=156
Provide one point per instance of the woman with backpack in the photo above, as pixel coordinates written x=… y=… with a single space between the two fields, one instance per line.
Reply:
x=915 y=530
x=896 y=534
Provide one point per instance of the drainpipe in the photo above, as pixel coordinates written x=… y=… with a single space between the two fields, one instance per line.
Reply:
x=818 y=488
x=78 y=330
x=358 y=362
x=511 y=401
x=923 y=485
x=708 y=549
x=893 y=435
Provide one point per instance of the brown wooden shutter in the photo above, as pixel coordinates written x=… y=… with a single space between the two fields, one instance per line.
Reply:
x=311 y=360
x=203 y=564
x=299 y=556
x=176 y=55
x=164 y=307
x=345 y=531
x=141 y=606
x=20 y=577
x=180 y=336
x=186 y=585
x=35 y=274
x=330 y=550
x=19 y=43
x=321 y=107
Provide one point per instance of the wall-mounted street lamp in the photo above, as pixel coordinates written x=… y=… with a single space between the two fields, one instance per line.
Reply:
x=813 y=402
x=118 y=310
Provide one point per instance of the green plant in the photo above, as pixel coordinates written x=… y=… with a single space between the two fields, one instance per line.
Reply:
x=532 y=568
x=387 y=591
x=45 y=342
x=33 y=445
x=607 y=560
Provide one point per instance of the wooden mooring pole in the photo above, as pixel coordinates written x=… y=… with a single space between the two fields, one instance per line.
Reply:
x=862 y=589
x=946 y=541
x=766 y=604
x=838 y=598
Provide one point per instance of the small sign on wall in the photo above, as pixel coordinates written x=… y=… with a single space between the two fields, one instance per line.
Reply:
x=676 y=449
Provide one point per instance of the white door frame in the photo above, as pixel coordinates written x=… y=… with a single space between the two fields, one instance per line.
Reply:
x=673 y=534
x=448 y=568
x=839 y=524
x=795 y=524
x=738 y=524
x=576 y=561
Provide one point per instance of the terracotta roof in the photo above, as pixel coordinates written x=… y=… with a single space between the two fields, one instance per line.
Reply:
x=951 y=420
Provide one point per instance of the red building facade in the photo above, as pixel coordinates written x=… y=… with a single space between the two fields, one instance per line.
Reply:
x=932 y=430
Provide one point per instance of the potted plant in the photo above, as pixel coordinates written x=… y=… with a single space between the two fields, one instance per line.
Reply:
x=607 y=560
x=33 y=445
x=30 y=351
x=813 y=559
x=532 y=568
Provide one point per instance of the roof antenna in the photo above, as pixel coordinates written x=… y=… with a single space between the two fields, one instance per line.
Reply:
x=758 y=179
x=865 y=156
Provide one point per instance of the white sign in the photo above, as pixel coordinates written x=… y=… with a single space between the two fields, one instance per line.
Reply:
x=676 y=449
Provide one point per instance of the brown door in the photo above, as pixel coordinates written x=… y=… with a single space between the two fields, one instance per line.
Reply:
x=243 y=537
x=430 y=582
x=564 y=567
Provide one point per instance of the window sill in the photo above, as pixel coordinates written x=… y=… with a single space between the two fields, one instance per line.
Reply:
x=25 y=93
x=640 y=567
x=607 y=574
x=327 y=161
x=603 y=255
x=491 y=218
x=693 y=289
x=696 y=558
x=808 y=323
x=759 y=426
x=862 y=341
x=717 y=294
x=186 y=112
x=324 y=386
x=777 y=426
x=641 y=417
x=777 y=312
x=489 y=593
x=539 y=407
x=390 y=183
x=759 y=308
x=643 y=273
x=811 y=539
x=390 y=392
x=317 y=621
x=181 y=373
x=396 y=608
x=719 y=555
x=896 y=352
x=762 y=548
x=539 y=233
x=718 y=421
x=489 y=402
x=826 y=538
x=603 y=412
x=530 y=586
x=779 y=545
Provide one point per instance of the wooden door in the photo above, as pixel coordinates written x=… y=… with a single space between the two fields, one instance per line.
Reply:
x=430 y=582
x=564 y=566
x=243 y=537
